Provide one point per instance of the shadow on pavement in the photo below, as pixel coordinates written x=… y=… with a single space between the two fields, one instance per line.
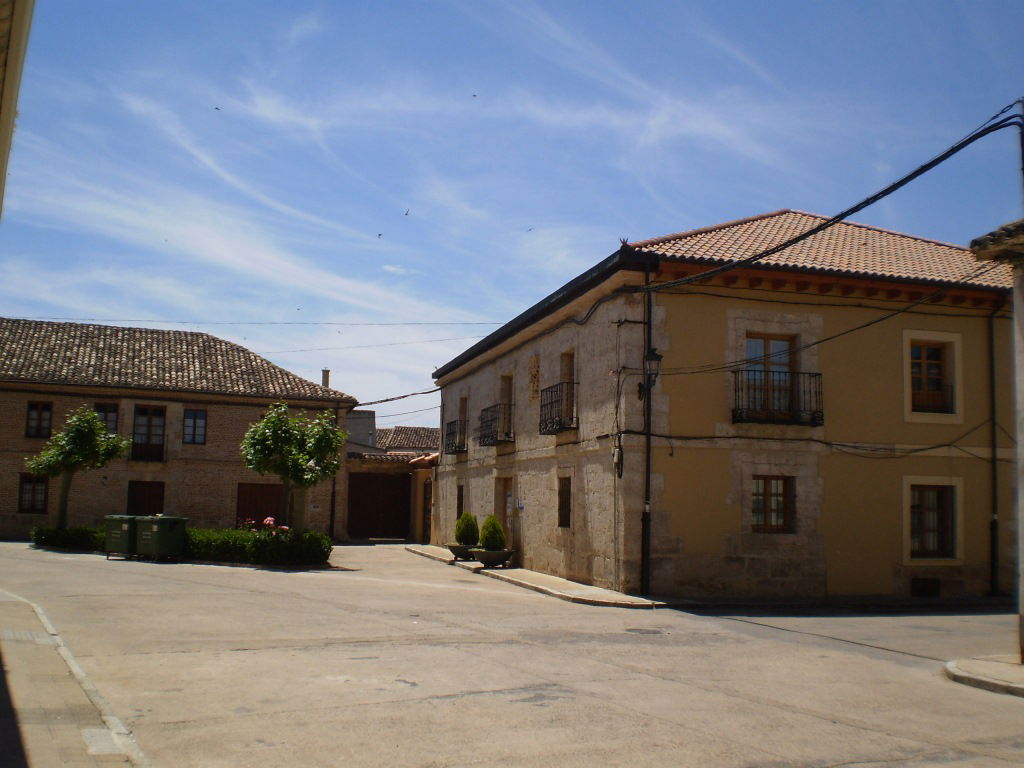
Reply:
x=866 y=608
x=10 y=737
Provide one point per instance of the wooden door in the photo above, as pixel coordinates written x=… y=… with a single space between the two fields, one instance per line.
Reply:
x=257 y=502
x=145 y=497
x=378 y=505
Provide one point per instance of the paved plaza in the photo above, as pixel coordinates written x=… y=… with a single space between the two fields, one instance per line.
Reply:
x=394 y=659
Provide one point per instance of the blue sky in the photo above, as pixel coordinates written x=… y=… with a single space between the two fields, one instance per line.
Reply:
x=248 y=166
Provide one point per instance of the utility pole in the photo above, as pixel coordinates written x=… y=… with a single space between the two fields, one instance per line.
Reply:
x=1006 y=244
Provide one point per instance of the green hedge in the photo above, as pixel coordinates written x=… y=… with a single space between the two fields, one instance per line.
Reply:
x=82 y=539
x=228 y=545
x=259 y=547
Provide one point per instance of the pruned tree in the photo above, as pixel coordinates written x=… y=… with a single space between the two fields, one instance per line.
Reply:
x=301 y=451
x=83 y=444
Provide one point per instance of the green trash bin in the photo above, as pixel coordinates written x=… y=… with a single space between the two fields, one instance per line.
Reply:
x=120 y=535
x=160 y=536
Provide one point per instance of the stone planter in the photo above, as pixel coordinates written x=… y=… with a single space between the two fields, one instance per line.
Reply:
x=461 y=551
x=491 y=558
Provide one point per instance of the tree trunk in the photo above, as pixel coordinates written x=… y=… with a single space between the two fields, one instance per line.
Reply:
x=62 y=499
x=299 y=510
x=286 y=502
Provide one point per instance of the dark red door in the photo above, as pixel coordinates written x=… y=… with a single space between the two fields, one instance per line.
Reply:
x=378 y=506
x=258 y=501
x=145 y=497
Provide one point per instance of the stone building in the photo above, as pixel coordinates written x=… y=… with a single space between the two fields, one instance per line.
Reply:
x=185 y=399
x=833 y=419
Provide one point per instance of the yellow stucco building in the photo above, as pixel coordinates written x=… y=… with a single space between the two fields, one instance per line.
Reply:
x=835 y=419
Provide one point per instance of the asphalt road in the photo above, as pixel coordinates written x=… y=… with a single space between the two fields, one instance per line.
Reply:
x=396 y=660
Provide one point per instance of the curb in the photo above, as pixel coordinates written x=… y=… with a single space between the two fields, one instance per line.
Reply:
x=496 y=573
x=120 y=733
x=581 y=599
x=954 y=673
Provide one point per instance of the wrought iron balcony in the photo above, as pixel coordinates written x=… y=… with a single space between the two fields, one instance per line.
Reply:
x=558 y=408
x=939 y=400
x=147 y=448
x=455 y=436
x=496 y=425
x=777 y=397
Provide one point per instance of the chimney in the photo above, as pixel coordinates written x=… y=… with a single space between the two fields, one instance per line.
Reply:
x=325 y=377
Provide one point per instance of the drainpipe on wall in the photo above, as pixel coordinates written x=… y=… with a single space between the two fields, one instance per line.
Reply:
x=645 y=518
x=993 y=526
x=334 y=485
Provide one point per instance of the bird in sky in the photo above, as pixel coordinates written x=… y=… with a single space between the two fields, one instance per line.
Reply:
x=406 y=211
x=380 y=235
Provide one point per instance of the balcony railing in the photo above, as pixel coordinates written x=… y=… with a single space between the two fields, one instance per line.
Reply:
x=496 y=425
x=558 y=408
x=148 y=451
x=777 y=397
x=939 y=400
x=455 y=436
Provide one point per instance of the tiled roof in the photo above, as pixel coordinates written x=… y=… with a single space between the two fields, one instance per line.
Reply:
x=143 y=358
x=1008 y=235
x=409 y=439
x=845 y=248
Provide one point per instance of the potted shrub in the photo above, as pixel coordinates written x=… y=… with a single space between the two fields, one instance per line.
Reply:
x=467 y=535
x=492 y=549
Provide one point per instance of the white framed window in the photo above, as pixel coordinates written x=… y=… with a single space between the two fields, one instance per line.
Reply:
x=932 y=520
x=932 y=376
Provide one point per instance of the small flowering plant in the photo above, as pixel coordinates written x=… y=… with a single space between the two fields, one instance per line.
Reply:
x=268 y=524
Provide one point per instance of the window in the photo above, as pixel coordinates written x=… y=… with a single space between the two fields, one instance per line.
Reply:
x=37 y=420
x=460 y=500
x=194 y=427
x=32 y=494
x=932 y=373
x=931 y=389
x=148 y=433
x=768 y=368
x=773 y=506
x=108 y=415
x=932 y=521
x=564 y=502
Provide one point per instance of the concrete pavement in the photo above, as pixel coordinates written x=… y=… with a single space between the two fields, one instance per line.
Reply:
x=1000 y=673
x=389 y=659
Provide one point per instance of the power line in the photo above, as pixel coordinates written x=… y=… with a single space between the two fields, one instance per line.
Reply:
x=738 y=364
x=399 y=397
x=245 y=322
x=988 y=128
x=406 y=413
x=370 y=346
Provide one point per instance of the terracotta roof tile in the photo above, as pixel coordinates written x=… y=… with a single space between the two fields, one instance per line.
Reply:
x=144 y=358
x=845 y=248
x=409 y=439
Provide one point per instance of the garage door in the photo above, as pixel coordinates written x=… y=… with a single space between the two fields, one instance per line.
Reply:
x=378 y=506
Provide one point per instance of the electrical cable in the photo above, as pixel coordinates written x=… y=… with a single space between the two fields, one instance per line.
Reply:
x=1005 y=122
x=370 y=346
x=242 y=322
x=398 y=397
x=854 y=449
x=739 y=364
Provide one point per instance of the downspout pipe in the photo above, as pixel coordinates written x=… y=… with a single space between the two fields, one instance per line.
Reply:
x=645 y=516
x=993 y=525
x=334 y=490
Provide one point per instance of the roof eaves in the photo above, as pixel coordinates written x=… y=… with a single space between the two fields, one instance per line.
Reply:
x=626 y=258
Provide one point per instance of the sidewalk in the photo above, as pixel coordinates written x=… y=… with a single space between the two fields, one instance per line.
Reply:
x=50 y=714
x=1001 y=674
x=540 y=582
